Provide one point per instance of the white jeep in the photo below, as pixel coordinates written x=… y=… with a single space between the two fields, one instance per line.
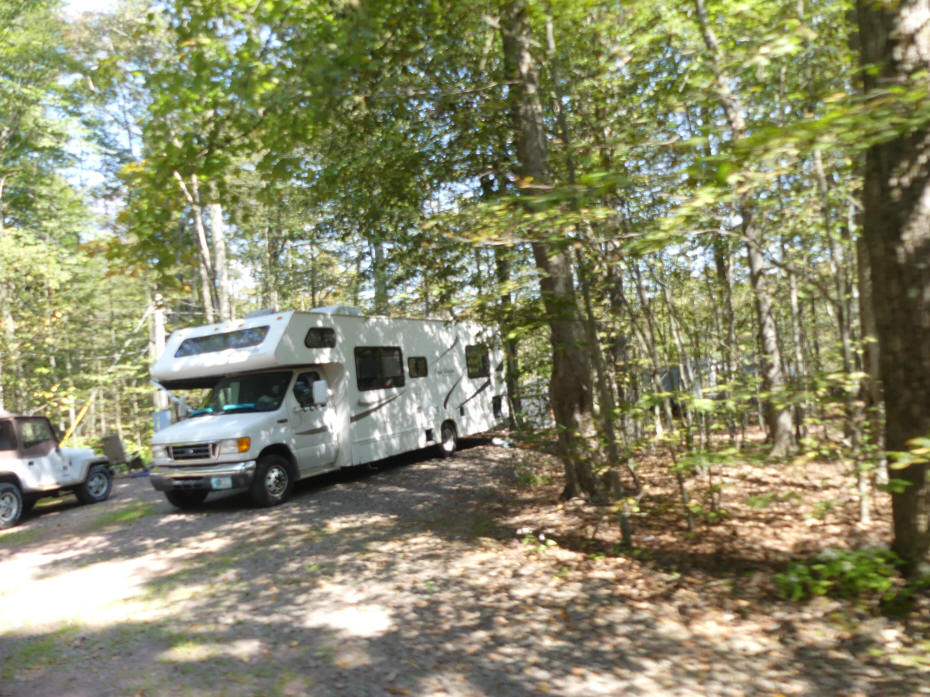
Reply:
x=32 y=465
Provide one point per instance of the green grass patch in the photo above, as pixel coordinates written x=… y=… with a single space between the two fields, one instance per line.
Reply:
x=32 y=654
x=14 y=536
x=126 y=514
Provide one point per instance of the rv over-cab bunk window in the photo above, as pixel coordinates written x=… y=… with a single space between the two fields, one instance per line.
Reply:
x=416 y=366
x=320 y=337
x=241 y=338
x=477 y=361
x=379 y=367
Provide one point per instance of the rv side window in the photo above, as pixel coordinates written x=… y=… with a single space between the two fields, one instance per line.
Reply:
x=416 y=366
x=320 y=337
x=241 y=338
x=476 y=358
x=379 y=367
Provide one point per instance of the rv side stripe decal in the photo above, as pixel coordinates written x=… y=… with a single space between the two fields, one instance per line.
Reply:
x=311 y=432
x=445 y=404
x=481 y=389
x=367 y=412
x=442 y=355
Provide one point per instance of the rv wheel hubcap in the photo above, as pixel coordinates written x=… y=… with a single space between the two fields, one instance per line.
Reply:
x=276 y=481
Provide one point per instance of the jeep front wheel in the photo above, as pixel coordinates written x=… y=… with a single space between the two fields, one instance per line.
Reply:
x=97 y=486
x=11 y=504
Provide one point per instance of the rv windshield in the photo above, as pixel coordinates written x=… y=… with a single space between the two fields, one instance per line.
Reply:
x=258 y=392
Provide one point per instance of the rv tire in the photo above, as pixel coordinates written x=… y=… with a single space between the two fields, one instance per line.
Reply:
x=273 y=481
x=448 y=439
x=186 y=499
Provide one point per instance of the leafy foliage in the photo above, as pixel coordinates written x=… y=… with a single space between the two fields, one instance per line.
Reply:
x=842 y=573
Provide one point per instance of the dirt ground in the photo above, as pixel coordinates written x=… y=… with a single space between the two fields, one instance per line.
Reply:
x=457 y=578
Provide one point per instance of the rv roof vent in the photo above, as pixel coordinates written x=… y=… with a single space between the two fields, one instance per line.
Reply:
x=338 y=310
x=259 y=313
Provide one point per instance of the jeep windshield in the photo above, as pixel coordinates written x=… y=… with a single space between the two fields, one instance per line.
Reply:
x=256 y=392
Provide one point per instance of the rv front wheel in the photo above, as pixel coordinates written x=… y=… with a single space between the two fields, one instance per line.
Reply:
x=273 y=481
x=448 y=439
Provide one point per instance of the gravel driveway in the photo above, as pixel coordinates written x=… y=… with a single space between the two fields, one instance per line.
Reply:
x=411 y=580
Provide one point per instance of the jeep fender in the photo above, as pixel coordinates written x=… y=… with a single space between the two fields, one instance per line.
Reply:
x=11 y=479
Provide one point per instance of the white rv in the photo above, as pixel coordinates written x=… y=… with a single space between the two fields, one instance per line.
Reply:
x=295 y=394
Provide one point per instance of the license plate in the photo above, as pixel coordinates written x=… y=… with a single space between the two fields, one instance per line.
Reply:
x=221 y=482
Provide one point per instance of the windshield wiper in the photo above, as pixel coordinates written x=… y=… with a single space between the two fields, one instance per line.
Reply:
x=201 y=412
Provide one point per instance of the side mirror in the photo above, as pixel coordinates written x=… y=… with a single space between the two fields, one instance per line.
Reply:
x=320 y=392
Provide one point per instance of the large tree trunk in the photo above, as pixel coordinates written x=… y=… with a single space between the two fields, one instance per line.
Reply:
x=571 y=383
x=895 y=36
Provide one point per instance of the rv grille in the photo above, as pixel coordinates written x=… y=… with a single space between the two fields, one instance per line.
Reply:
x=194 y=451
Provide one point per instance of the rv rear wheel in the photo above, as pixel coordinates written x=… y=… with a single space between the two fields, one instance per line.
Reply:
x=448 y=439
x=273 y=482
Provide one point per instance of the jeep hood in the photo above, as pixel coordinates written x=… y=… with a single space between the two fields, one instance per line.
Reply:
x=74 y=455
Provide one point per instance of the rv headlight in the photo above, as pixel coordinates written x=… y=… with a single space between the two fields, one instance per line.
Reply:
x=160 y=452
x=234 y=446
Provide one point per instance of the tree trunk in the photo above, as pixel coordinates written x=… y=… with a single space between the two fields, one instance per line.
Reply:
x=379 y=277
x=221 y=270
x=502 y=267
x=871 y=384
x=192 y=194
x=895 y=36
x=570 y=387
x=777 y=416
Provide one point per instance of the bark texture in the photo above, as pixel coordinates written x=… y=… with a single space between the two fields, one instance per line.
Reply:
x=895 y=36
x=571 y=386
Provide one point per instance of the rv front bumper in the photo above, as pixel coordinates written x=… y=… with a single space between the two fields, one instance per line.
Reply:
x=223 y=477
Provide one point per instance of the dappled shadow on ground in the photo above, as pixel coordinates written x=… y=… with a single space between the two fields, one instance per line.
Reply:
x=416 y=579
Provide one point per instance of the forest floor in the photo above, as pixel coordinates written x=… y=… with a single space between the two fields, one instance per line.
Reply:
x=455 y=578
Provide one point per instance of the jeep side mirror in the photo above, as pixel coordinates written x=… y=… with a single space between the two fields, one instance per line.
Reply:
x=320 y=392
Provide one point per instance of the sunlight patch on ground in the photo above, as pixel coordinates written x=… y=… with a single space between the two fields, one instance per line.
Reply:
x=191 y=652
x=49 y=592
x=349 y=615
x=96 y=595
x=360 y=520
